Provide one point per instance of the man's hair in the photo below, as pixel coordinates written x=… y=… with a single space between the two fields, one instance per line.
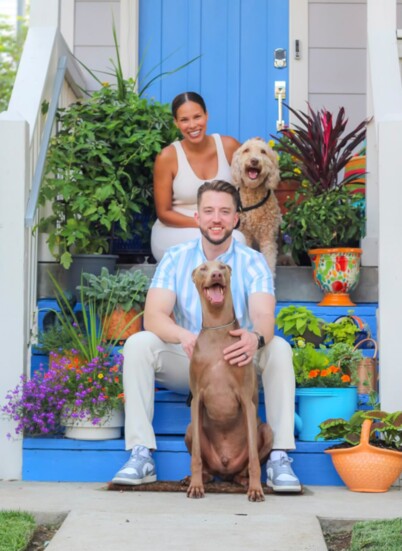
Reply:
x=220 y=186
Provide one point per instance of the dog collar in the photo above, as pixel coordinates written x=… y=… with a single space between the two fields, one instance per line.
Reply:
x=219 y=326
x=259 y=204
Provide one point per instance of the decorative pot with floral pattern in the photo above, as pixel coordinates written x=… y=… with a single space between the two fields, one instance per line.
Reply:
x=336 y=272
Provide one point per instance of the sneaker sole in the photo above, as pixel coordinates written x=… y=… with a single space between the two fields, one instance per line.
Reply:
x=283 y=488
x=133 y=482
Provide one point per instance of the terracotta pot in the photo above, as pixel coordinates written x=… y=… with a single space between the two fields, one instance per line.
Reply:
x=286 y=190
x=118 y=320
x=367 y=468
x=336 y=271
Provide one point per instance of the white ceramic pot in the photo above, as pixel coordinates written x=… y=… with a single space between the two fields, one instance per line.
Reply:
x=108 y=429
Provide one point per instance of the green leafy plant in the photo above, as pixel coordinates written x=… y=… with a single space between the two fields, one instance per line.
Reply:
x=313 y=368
x=98 y=174
x=321 y=147
x=330 y=219
x=55 y=339
x=386 y=428
x=289 y=166
x=346 y=357
x=126 y=290
x=88 y=333
x=295 y=321
x=342 y=331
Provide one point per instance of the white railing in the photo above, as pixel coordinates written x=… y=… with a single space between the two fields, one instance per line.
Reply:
x=384 y=190
x=22 y=131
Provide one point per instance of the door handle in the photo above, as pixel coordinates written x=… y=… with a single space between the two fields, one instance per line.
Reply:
x=280 y=95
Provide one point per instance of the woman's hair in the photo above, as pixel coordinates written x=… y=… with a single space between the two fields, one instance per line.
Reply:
x=220 y=186
x=184 y=98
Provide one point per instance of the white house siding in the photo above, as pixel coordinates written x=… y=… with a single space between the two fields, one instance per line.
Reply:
x=93 y=37
x=337 y=56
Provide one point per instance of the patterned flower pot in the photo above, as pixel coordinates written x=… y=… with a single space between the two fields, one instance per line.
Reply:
x=367 y=468
x=336 y=272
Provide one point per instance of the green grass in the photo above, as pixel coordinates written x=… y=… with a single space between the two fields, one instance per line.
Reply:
x=16 y=529
x=377 y=535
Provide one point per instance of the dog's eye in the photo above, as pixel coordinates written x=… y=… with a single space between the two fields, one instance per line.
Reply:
x=246 y=150
x=203 y=268
x=264 y=151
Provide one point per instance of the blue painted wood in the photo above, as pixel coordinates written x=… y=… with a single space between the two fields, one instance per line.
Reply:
x=235 y=74
x=62 y=460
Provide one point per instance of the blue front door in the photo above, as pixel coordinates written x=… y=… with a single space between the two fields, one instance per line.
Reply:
x=236 y=73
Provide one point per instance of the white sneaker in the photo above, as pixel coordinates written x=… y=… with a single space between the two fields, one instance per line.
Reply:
x=280 y=476
x=139 y=469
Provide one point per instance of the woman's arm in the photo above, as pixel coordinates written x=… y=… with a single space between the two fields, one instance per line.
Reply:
x=165 y=168
x=230 y=145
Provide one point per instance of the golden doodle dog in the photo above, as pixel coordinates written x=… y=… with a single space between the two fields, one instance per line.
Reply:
x=255 y=173
x=225 y=438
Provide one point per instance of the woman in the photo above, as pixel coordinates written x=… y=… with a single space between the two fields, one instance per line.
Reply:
x=182 y=167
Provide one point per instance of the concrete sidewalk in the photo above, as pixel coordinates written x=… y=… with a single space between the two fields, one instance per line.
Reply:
x=98 y=520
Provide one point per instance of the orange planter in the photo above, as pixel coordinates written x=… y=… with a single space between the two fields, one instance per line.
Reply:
x=118 y=320
x=367 y=468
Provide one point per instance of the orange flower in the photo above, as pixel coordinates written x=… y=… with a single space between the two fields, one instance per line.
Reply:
x=325 y=372
x=116 y=380
x=333 y=369
x=345 y=379
x=313 y=373
x=121 y=396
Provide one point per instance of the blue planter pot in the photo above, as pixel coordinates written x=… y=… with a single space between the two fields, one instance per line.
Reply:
x=318 y=404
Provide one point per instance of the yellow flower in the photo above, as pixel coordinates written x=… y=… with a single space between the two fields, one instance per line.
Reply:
x=106 y=84
x=100 y=375
x=297 y=171
x=271 y=143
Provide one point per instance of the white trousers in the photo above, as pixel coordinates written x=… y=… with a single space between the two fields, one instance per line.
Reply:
x=148 y=359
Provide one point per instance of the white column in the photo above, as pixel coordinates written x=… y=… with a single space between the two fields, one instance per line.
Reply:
x=390 y=264
x=129 y=37
x=13 y=282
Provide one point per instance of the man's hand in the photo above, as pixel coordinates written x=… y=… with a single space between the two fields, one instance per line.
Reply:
x=241 y=352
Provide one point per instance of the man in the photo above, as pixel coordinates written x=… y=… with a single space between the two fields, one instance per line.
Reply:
x=172 y=320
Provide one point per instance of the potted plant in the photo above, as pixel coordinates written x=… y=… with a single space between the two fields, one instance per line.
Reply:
x=98 y=175
x=290 y=173
x=323 y=388
x=119 y=298
x=324 y=214
x=342 y=330
x=299 y=321
x=370 y=457
x=82 y=391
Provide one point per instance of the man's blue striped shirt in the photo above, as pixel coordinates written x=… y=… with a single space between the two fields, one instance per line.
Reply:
x=250 y=274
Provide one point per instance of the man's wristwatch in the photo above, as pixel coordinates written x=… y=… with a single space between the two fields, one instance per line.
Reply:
x=261 y=340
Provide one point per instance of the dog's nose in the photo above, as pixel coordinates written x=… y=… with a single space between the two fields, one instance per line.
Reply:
x=254 y=161
x=216 y=276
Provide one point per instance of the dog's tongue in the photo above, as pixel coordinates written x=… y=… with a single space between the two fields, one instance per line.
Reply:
x=253 y=174
x=215 y=294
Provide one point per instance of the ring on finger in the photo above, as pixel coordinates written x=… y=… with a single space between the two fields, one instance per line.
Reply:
x=245 y=356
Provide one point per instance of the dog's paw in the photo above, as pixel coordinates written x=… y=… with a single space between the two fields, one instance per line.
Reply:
x=285 y=260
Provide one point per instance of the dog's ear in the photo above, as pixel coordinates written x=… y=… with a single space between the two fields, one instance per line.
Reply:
x=274 y=177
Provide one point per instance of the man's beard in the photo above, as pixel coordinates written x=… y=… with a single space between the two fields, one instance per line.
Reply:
x=226 y=236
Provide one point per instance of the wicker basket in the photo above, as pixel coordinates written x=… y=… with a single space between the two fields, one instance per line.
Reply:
x=367 y=373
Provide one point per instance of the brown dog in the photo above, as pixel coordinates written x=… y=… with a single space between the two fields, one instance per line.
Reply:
x=255 y=173
x=225 y=438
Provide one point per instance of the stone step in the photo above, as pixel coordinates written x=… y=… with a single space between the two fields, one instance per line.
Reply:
x=293 y=283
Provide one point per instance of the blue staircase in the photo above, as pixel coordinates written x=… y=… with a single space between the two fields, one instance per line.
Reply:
x=60 y=459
